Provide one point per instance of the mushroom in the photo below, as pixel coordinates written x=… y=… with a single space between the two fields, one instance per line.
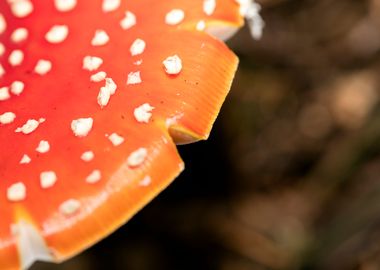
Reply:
x=94 y=95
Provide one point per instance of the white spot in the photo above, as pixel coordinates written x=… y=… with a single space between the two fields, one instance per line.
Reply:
x=19 y=35
x=4 y=93
x=92 y=63
x=98 y=77
x=82 y=126
x=111 y=85
x=48 y=179
x=16 y=192
x=100 y=38
x=94 y=177
x=21 y=8
x=2 y=71
x=7 y=118
x=2 y=49
x=209 y=7
x=16 y=57
x=143 y=113
x=201 y=25
x=25 y=159
x=42 y=67
x=57 y=34
x=43 y=147
x=128 y=21
x=173 y=120
x=87 y=156
x=17 y=87
x=116 y=139
x=134 y=78
x=65 y=5
x=138 y=62
x=137 y=157
x=3 y=24
x=110 y=5
x=137 y=47
x=104 y=96
x=30 y=126
x=174 y=16
x=69 y=207
x=173 y=65
x=145 y=181
x=106 y=92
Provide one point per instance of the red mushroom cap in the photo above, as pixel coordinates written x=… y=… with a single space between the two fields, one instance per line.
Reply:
x=94 y=94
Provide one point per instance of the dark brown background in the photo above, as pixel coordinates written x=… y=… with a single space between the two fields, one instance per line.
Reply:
x=290 y=178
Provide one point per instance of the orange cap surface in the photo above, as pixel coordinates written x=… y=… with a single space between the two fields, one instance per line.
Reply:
x=93 y=97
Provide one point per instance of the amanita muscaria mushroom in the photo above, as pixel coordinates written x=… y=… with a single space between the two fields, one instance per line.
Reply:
x=94 y=94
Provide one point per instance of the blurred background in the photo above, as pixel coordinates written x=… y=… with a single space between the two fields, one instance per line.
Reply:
x=290 y=177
